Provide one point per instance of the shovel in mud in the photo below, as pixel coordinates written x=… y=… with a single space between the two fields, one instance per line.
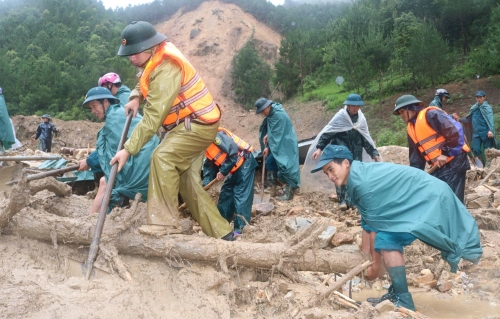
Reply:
x=47 y=174
x=262 y=198
x=87 y=268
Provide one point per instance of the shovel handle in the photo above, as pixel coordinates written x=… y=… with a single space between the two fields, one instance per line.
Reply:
x=205 y=188
x=47 y=174
x=94 y=246
x=264 y=157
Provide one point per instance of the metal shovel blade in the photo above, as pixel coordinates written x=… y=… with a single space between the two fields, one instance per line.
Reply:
x=261 y=198
x=76 y=268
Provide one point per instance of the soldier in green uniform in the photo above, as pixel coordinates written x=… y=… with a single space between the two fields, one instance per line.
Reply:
x=230 y=157
x=174 y=96
x=280 y=146
x=399 y=204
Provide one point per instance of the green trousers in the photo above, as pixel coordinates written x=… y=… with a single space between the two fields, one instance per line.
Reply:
x=176 y=167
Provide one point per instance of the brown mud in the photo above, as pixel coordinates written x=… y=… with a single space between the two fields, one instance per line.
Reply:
x=172 y=284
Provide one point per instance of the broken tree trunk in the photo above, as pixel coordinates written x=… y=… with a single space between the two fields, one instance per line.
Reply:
x=298 y=257
x=18 y=198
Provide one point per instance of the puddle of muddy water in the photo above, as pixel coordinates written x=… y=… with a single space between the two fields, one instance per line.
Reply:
x=444 y=306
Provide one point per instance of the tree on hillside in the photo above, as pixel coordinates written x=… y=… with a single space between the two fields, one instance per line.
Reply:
x=251 y=75
x=428 y=56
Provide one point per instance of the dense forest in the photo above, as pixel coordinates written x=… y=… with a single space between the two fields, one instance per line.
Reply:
x=52 y=51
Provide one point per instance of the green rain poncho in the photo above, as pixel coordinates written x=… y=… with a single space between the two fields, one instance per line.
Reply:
x=397 y=198
x=133 y=177
x=283 y=143
x=6 y=133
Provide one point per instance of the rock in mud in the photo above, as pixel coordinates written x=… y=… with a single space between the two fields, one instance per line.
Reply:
x=326 y=237
x=296 y=224
x=342 y=238
x=384 y=307
x=263 y=208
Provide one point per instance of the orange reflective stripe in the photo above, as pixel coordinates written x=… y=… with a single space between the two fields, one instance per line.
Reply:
x=427 y=140
x=194 y=101
x=215 y=154
x=242 y=145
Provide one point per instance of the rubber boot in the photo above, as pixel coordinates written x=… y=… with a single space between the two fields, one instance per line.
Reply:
x=271 y=182
x=402 y=297
x=389 y=295
x=288 y=193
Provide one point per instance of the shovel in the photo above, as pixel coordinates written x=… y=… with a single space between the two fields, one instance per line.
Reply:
x=262 y=198
x=47 y=174
x=88 y=266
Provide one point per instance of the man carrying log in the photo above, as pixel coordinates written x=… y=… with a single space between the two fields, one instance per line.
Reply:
x=280 y=146
x=175 y=97
x=399 y=204
x=230 y=156
x=133 y=178
x=437 y=139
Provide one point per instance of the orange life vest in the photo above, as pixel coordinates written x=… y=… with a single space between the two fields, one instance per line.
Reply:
x=194 y=102
x=215 y=154
x=427 y=140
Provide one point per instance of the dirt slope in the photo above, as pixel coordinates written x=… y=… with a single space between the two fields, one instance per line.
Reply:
x=210 y=36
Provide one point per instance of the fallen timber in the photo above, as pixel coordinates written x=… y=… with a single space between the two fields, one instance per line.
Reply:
x=120 y=236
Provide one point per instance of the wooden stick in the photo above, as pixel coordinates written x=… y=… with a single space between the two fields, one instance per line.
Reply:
x=356 y=270
x=413 y=314
x=344 y=303
x=488 y=176
x=29 y=158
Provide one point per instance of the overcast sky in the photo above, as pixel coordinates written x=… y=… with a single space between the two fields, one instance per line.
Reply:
x=123 y=3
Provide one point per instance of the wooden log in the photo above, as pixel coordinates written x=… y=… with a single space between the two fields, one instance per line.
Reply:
x=39 y=225
x=29 y=158
x=18 y=199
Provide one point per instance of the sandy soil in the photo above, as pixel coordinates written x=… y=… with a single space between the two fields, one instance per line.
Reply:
x=32 y=278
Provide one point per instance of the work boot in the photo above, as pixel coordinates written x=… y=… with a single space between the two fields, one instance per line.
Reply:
x=402 y=297
x=404 y=300
x=229 y=237
x=271 y=182
x=288 y=193
x=342 y=206
x=389 y=295
x=158 y=230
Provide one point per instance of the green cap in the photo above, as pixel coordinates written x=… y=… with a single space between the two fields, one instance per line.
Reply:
x=261 y=104
x=406 y=100
x=139 y=36
x=354 y=99
x=99 y=93
x=330 y=153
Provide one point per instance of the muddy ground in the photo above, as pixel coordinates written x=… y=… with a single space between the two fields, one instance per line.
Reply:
x=33 y=283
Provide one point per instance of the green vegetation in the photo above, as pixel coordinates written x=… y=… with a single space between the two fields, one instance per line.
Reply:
x=53 y=51
x=251 y=76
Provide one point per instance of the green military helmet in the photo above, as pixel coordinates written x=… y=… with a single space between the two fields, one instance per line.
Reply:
x=354 y=99
x=99 y=93
x=139 y=36
x=46 y=116
x=406 y=100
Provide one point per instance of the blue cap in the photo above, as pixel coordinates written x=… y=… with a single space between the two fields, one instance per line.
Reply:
x=332 y=152
x=354 y=99
x=480 y=93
